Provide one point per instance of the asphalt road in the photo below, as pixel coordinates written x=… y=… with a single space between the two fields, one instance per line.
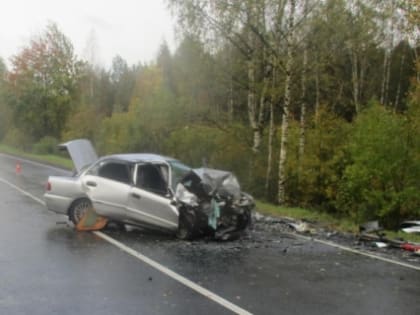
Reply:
x=48 y=268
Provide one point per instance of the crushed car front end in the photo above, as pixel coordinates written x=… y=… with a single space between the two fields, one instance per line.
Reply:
x=211 y=203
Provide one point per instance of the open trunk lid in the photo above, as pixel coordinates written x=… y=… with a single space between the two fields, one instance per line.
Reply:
x=81 y=152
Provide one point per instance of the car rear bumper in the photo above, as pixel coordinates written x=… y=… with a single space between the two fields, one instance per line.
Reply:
x=58 y=204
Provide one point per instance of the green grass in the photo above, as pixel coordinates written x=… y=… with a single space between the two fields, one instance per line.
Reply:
x=404 y=236
x=46 y=158
x=327 y=220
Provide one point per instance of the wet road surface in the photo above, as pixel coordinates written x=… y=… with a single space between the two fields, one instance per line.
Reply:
x=48 y=268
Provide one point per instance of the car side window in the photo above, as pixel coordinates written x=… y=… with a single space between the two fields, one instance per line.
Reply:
x=116 y=171
x=151 y=178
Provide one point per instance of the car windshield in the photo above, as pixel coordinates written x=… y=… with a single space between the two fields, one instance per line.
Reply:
x=179 y=170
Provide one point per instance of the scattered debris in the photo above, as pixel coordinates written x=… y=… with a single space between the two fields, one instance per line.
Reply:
x=410 y=247
x=410 y=226
x=371 y=237
x=414 y=229
x=381 y=244
x=276 y=234
x=301 y=227
x=370 y=227
x=370 y=233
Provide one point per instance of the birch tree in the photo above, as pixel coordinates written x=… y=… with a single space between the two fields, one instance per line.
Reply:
x=251 y=28
x=411 y=12
x=287 y=99
x=388 y=26
x=303 y=92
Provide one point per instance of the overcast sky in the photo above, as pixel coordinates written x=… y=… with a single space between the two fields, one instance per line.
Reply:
x=133 y=29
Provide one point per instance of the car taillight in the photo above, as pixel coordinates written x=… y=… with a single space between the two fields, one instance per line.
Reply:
x=48 y=186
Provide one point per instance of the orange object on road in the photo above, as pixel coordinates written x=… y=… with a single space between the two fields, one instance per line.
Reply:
x=18 y=168
x=91 y=221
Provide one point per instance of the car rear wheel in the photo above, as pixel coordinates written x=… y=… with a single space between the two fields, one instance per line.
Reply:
x=79 y=209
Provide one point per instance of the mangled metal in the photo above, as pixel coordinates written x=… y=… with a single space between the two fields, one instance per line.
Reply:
x=370 y=232
x=211 y=202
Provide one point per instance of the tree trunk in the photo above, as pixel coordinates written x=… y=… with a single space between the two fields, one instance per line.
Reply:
x=303 y=99
x=252 y=107
x=384 y=72
x=389 y=52
x=317 y=92
x=303 y=107
x=397 y=96
x=387 y=80
x=417 y=65
x=355 y=78
x=255 y=110
x=230 y=102
x=281 y=197
x=271 y=133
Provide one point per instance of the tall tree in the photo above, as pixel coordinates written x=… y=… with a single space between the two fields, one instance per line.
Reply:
x=43 y=82
x=5 y=116
x=243 y=24
x=123 y=81
x=411 y=12
x=281 y=196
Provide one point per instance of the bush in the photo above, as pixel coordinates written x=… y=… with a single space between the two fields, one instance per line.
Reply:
x=382 y=180
x=18 y=139
x=47 y=145
x=313 y=179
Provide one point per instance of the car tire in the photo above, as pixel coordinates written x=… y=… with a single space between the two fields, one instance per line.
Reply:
x=78 y=209
x=185 y=226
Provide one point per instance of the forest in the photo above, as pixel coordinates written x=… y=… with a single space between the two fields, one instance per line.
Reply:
x=311 y=103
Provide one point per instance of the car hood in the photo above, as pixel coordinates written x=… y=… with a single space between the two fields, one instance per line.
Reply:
x=81 y=152
x=205 y=183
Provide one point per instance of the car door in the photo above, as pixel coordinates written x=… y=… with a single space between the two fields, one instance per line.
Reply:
x=108 y=184
x=149 y=200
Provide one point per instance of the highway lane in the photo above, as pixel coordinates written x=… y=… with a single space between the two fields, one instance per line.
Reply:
x=49 y=267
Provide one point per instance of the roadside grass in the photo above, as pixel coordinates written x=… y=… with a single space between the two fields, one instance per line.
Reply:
x=45 y=158
x=325 y=219
x=403 y=236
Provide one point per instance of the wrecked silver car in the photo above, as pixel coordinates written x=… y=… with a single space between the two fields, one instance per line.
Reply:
x=150 y=191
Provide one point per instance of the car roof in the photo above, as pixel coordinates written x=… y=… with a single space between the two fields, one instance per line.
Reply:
x=140 y=157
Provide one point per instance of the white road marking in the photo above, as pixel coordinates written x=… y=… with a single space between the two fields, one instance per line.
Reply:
x=177 y=277
x=199 y=289
x=23 y=192
x=356 y=251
